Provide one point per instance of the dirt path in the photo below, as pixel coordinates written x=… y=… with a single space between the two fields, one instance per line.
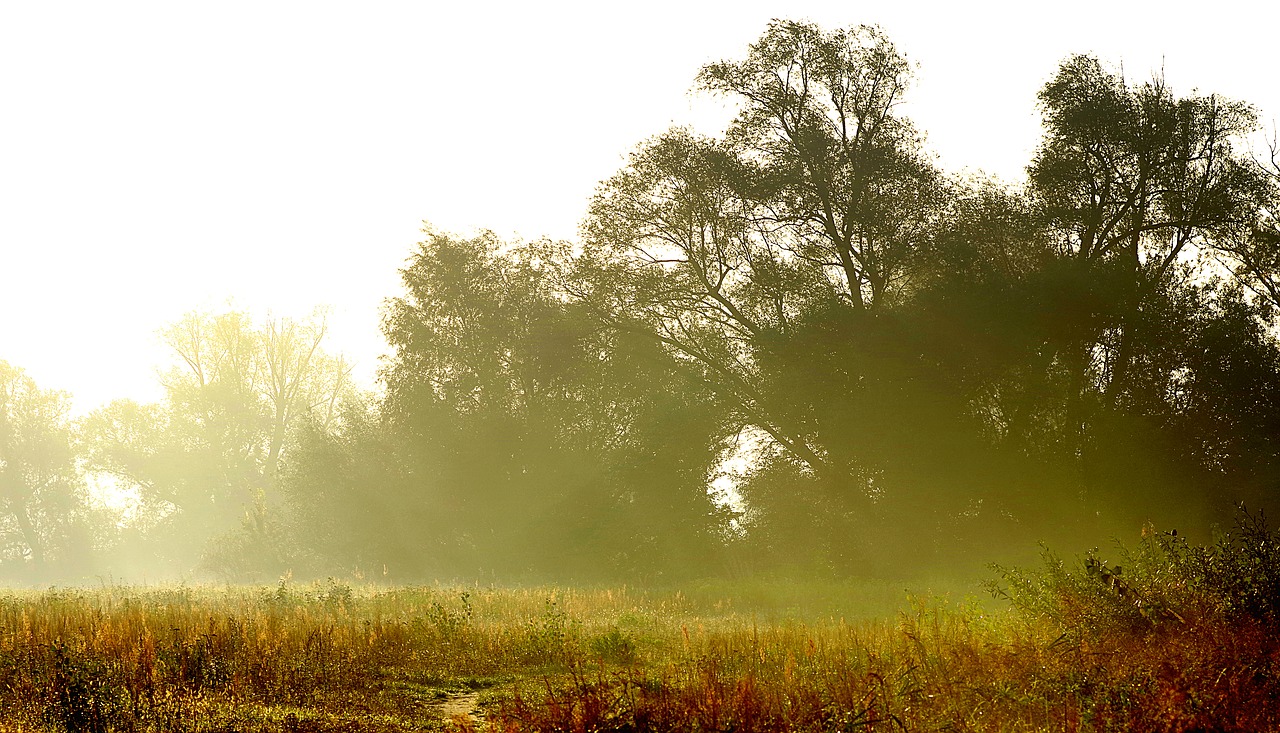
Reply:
x=461 y=705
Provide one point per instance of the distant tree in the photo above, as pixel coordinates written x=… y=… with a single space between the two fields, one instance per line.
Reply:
x=209 y=454
x=356 y=502
x=42 y=494
x=263 y=377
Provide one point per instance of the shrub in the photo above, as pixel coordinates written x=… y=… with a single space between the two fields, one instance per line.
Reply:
x=614 y=646
x=1165 y=580
x=1243 y=570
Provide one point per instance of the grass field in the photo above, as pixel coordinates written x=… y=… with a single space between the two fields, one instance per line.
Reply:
x=1077 y=650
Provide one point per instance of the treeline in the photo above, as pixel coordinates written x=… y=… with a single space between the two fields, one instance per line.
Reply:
x=904 y=366
x=151 y=490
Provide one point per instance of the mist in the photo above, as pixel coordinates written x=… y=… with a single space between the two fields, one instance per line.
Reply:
x=799 y=348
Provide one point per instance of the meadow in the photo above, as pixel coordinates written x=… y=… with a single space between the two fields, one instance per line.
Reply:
x=1179 y=638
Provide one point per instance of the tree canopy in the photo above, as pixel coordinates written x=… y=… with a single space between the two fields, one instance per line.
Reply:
x=797 y=343
x=42 y=515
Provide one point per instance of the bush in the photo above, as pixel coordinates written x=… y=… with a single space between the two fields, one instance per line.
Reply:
x=1243 y=570
x=1166 y=580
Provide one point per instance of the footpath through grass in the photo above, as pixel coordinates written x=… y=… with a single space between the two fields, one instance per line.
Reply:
x=1176 y=639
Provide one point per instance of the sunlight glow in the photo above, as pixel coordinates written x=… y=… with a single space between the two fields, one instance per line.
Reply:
x=159 y=158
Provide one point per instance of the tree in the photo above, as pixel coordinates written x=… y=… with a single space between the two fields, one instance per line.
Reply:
x=267 y=375
x=1252 y=252
x=42 y=494
x=211 y=451
x=1135 y=181
x=1226 y=402
x=1137 y=186
x=528 y=440
x=356 y=502
x=915 y=347
x=817 y=203
x=842 y=178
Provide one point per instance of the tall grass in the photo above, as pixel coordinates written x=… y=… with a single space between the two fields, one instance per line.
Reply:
x=1167 y=637
x=937 y=668
x=190 y=659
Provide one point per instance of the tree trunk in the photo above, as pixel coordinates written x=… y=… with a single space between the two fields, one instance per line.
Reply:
x=30 y=535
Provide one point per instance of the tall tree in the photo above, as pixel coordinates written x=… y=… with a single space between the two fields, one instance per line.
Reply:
x=1137 y=181
x=1137 y=186
x=537 y=442
x=211 y=451
x=839 y=174
x=818 y=203
x=42 y=494
x=1252 y=252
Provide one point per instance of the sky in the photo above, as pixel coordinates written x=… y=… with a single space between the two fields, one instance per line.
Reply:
x=159 y=158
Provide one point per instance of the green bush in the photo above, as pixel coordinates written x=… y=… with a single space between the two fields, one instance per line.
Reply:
x=1165 y=580
x=1243 y=570
x=614 y=646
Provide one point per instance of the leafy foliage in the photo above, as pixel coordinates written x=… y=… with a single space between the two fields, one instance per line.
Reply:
x=516 y=437
x=900 y=368
x=43 y=512
x=1166 y=581
x=205 y=461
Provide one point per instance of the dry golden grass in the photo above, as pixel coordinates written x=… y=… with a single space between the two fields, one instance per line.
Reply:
x=332 y=658
x=937 y=668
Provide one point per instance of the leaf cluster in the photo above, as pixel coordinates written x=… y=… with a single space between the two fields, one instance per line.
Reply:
x=1165 y=581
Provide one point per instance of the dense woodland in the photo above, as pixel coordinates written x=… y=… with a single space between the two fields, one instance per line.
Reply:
x=903 y=369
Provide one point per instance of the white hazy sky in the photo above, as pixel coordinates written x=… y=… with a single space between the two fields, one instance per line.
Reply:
x=161 y=157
